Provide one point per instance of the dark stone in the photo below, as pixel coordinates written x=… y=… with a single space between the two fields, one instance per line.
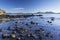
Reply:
x=0 y=30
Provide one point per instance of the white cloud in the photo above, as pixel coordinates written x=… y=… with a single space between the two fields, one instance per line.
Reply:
x=17 y=10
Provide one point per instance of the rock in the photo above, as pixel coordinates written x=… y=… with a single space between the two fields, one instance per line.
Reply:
x=26 y=24
x=8 y=28
x=5 y=36
x=16 y=28
x=49 y=21
x=12 y=35
x=39 y=31
x=14 y=32
x=41 y=17
x=52 y=18
x=26 y=30
x=0 y=30
x=16 y=23
x=18 y=38
x=20 y=30
x=30 y=35
x=49 y=34
x=40 y=38
x=32 y=22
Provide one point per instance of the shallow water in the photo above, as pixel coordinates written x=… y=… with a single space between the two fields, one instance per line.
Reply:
x=53 y=27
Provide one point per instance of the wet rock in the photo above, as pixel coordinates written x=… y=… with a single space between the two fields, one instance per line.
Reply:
x=16 y=28
x=32 y=22
x=26 y=30
x=49 y=34
x=40 y=15
x=40 y=38
x=13 y=36
x=52 y=18
x=21 y=30
x=16 y=23
x=30 y=35
x=14 y=32
x=39 y=31
x=30 y=27
x=5 y=36
x=49 y=21
x=18 y=38
x=26 y=24
x=0 y=30
x=9 y=28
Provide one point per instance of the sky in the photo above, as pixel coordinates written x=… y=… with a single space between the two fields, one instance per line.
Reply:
x=30 y=6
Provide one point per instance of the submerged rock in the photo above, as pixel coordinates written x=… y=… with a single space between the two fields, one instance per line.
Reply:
x=40 y=38
x=52 y=18
x=1 y=30
x=21 y=30
x=49 y=34
x=49 y=21
x=9 y=28
x=26 y=24
x=42 y=17
x=32 y=22
x=39 y=31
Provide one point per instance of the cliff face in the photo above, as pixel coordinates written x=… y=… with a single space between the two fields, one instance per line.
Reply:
x=2 y=12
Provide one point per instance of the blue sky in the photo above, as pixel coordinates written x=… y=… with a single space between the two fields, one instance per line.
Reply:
x=30 y=5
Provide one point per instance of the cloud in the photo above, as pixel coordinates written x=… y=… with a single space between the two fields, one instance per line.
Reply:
x=17 y=10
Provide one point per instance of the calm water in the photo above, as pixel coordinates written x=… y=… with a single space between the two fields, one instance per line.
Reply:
x=41 y=21
x=51 y=15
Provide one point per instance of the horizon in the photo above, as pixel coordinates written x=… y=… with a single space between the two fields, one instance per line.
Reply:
x=37 y=12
